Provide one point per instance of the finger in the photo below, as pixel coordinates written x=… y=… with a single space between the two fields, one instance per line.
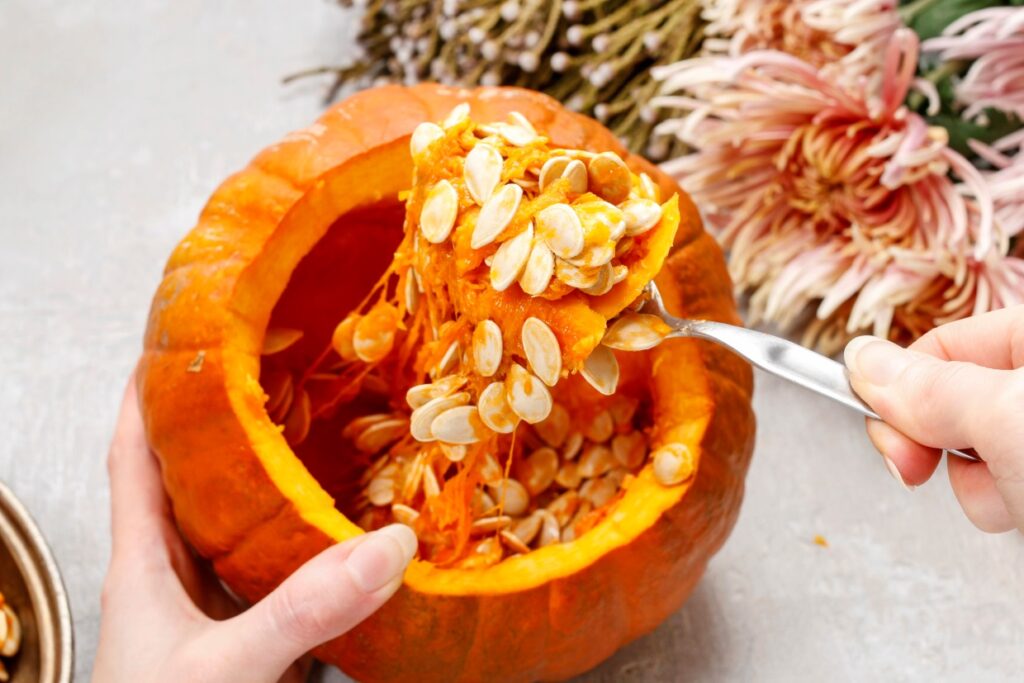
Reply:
x=978 y=495
x=323 y=599
x=940 y=404
x=910 y=463
x=992 y=340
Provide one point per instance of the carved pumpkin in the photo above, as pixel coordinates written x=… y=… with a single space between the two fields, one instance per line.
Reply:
x=296 y=240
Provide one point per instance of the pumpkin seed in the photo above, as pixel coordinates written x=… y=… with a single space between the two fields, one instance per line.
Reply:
x=569 y=531
x=552 y=171
x=594 y=257
x=573 y=445
x=482 y=171
x=487 y=347
x=623 y=408
x=374 y=335
x=673 y=464
x=600 y=427
x=494 y=409
x=574 y=276
x=440 y=209
x=431 y=487
x=512 y=497
x=296 y=425
x=576 y=173
x=486 y=553
x=619 y=273
x=513 y=134
x=482 y=504
x=568 y=475
x=550 y=533
x=635 y=332
x=491 y=471
x=542 y=350
x=618 y=476
x=515 y=118
x=595 y=461
x=540 y=267
x=560 y=228
x=527 y=395
x=513 y=542
x=527 y=528
x=413 y=476
x=555 y=428
x=640 y=215
x=629 y=449
x=495 y=215
x=623 y=247
x=510 y=259
x=277 y=339
x=423 y=136
x=648 y=189
x=460 y=425
x=422 y=418
x=564 y=507
x=422 y=393
x=598 y=491
x=410 y=293
x=381 y=491
x=609 y=177
x=341 y=340
x=448 y=360
x=601 y=370
x=457 y=115
x=539 y=470
x=486 y=525
x=604 y=281
x=454 y=452
x=376 y=467
x=404 y=514
x=280 y=390
x=380 y=435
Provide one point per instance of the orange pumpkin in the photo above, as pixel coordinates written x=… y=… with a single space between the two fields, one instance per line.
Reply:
x=297 y=239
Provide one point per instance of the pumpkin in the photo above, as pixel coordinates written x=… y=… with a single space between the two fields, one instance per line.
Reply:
x=297 y=240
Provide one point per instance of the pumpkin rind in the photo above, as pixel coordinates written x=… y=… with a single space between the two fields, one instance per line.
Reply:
x=246 y=502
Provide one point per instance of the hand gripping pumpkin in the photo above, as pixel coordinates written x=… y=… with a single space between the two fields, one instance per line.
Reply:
x=382 y=319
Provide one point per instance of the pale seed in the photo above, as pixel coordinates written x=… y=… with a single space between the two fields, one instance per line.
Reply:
x=486 y=553
x=538 y=470
x=448 y=360
x=381 y=491
x=377 y=437
x=575 y=277
x=555 y=428
x=568 y=475
x=495 y=215
x=673 y=464
x=277 y=339
x=635 y=332
x=542 y=350
x=569 y=532
x=619 y=273
x=629 y=449
x=600 y=427
x=623 y=408
x=540 y=267
x=341 y=340
x=431 y=487
x=598 y=491
x=512 y=497
x=527 y=528
x=422 y=419
x=296 y=425
x=617 y=477
x=280 y=392
x=491 y=471
x=594 y=257
x=413 y=476
x=640 y=215
x=510 y=259
x=411 y=293
x=552 y=170
x=454 y=452
x=423 y=136
x=488 y=524
x=609 y=177
x=422 y=393
x=648 y=189
x=517 y=119
x=459 y=425
x=375 y=468
x=527 y=395
x=564 y=507
x=576 y=173
x=515 y=135
x=404 y=514
x=495 y=412
x=440 y=209
x=482 y=171
x=601 y=370
x=560 y=228
x=375 y=333
x=482 y=504
x=513 y=542
x=604 y=282
x=621 y=249
x=550 y=531
x=595 y=461
x=573 y=445
x=487 y=347
x=457 y=115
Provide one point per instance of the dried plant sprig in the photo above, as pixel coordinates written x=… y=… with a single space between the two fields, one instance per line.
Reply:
x=594 y=55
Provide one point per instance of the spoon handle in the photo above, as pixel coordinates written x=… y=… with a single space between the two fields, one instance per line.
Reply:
x=789 y=361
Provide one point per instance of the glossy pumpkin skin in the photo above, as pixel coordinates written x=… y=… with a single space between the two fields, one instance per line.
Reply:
x=245 y=501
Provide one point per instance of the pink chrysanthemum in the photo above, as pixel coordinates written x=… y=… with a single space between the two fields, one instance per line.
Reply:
x=994 y=39
x=835 y=198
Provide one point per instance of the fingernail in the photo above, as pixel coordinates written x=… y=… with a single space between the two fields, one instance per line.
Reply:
x=875 y=360
x=382 y=557
x=894 y=471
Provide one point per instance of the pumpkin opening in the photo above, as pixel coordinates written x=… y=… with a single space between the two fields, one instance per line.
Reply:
x=446 y=327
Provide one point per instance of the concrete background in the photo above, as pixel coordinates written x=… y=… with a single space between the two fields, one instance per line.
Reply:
x=116 y=122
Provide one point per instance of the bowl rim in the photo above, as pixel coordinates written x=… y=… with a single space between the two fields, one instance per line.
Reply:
x=46 y=589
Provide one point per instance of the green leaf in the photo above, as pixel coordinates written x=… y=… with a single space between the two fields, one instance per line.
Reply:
x=999 y=125
x=929 y=17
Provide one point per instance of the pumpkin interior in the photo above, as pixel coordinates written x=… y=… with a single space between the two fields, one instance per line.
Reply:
x=330 y=279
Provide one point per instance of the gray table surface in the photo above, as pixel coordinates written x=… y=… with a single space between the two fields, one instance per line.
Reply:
x=116 y=122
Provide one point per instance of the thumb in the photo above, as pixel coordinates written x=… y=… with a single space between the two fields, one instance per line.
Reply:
x=326 y=597
x=937 y=403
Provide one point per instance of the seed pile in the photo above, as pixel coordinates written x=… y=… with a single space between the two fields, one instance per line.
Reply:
x=480 y=457
x=10 y=635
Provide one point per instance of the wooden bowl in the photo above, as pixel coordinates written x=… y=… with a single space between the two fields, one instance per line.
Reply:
x=32 y=585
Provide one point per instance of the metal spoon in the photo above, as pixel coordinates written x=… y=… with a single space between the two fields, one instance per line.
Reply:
x=775 y=355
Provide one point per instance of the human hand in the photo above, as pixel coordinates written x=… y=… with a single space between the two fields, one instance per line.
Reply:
x=166 y=618
x=959 y=386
